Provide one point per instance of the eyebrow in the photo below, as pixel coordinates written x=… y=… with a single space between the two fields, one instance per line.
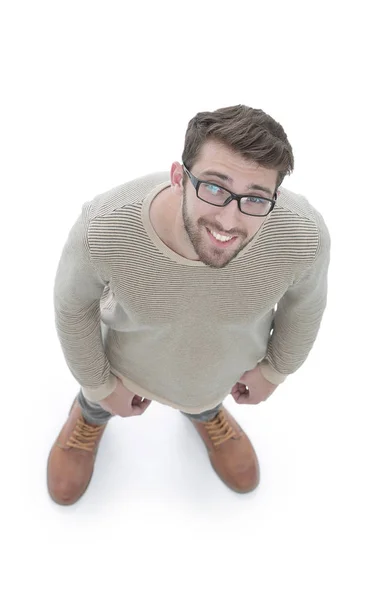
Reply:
x=252 y=186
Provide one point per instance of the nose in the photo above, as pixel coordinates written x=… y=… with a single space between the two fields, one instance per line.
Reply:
x=229 y=216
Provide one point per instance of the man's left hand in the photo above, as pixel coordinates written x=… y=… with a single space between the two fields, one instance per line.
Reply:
x=252 y=387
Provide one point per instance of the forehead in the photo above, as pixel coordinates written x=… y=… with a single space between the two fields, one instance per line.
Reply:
x=215 y=156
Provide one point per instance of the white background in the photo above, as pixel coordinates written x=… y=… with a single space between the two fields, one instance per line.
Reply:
x=93 y=95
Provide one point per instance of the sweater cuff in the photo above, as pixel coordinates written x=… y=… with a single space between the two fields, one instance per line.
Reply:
x=270 y=374
x=101 y=392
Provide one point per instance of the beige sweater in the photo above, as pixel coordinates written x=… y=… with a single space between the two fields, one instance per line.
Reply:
x=175 y=330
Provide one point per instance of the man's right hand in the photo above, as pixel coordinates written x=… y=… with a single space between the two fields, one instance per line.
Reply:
x=124 y=403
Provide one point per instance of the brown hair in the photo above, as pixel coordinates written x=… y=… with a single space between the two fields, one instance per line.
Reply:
x=248 y=131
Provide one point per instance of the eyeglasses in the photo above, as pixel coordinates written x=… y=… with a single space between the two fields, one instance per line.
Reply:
x=212 y=193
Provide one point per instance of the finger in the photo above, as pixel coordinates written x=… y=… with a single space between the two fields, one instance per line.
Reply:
x=239 y=387
x=145 y=403
x=244 y=397
x=136 y=400
x=241 y=399
x=243 y=389
x=139 y=408
x=241 y=384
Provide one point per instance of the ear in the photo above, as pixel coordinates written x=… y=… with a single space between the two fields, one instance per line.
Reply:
x=177 y=178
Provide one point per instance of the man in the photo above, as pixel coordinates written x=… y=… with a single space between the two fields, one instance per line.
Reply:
x=166 y=291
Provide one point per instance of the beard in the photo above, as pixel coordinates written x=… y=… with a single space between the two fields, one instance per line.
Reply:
x=211 y=256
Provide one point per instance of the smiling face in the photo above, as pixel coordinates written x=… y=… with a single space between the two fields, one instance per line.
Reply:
x=201 y=220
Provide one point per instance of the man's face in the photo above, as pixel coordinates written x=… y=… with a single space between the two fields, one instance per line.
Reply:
x=200 y=218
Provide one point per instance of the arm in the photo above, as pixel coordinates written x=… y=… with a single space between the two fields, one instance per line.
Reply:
x=298 y=316
x=77 y=291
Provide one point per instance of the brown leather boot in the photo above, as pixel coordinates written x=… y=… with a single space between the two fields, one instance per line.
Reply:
x=230 y=451
x=72 y=457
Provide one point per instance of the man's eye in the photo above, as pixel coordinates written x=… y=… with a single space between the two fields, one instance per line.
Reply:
x=255 y=200
x=215 y=189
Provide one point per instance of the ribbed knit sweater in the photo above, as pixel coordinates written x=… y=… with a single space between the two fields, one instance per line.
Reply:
x=176 y=330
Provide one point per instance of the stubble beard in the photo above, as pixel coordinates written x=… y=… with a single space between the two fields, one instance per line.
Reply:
x=212 y=257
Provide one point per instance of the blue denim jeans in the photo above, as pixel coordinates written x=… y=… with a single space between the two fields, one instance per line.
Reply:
x=96 y=415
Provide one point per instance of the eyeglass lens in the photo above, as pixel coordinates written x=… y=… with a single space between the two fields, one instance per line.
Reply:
x=216 y=195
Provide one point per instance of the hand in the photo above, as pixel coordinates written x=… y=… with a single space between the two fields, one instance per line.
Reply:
x=124 y=403
x=252 y=387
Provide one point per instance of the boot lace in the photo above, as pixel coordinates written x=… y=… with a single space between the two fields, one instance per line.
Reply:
x=219 y=429
x=84 y=436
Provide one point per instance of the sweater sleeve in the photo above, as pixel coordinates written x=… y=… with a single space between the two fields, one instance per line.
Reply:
x=299 y=314
x=78 y=288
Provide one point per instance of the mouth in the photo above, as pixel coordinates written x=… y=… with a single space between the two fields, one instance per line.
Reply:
x=221 y=243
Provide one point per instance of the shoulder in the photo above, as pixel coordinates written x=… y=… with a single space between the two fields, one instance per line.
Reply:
x=295 y=235
x=130 y=193
x=301 y=217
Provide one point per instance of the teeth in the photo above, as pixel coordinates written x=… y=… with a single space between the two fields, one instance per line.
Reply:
x=221 y=238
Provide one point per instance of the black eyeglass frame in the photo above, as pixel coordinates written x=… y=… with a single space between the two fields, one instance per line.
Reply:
x=197 y=182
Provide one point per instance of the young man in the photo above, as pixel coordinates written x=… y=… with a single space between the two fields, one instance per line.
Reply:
x=166 y=290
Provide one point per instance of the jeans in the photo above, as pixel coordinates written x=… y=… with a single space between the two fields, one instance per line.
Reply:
x=96 y=415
